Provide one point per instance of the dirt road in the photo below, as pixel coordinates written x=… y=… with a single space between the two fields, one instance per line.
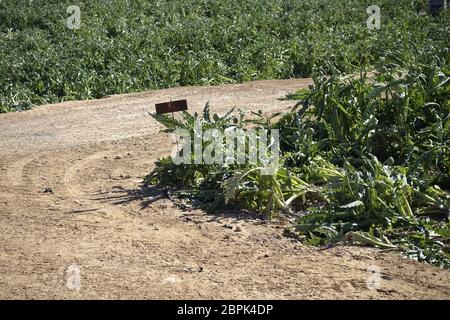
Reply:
x=71 y=204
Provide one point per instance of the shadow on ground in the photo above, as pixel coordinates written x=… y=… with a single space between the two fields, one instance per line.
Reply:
x=146 y=195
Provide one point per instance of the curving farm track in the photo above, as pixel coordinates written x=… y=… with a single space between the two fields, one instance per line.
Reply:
x=92 y=155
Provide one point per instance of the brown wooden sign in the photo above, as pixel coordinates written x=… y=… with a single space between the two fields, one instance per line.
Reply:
x=171 y=106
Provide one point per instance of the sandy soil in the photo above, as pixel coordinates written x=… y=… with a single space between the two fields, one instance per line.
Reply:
x=126 y=244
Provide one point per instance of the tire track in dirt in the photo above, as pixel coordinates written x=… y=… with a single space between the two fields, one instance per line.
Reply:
x=14 y=173
x=74 y=190
x=7 y=196
x=169 y=235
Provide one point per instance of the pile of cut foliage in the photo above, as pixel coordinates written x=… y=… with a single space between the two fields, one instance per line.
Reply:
x=364 y=158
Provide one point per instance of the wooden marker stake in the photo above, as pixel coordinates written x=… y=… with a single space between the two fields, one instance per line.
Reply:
x=174 y=128
x=171 y=107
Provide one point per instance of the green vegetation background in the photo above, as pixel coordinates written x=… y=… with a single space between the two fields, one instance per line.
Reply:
x=125 y=46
